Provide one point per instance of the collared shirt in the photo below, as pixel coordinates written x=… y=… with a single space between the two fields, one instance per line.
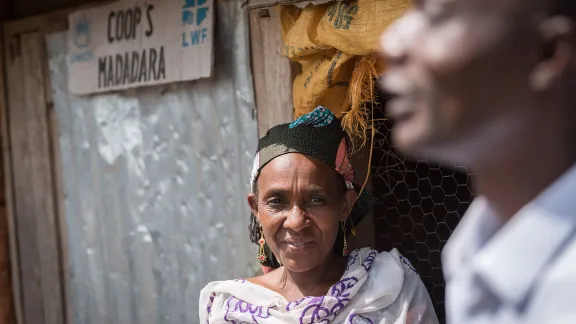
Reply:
x=521 y=272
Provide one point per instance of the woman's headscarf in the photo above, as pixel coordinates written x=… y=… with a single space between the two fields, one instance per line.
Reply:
x=318 y=134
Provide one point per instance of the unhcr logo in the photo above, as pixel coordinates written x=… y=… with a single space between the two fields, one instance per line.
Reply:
x=194 y=13
x=81 y=32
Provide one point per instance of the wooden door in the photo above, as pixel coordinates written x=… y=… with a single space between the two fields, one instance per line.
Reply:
x=6 y=296
x=31 y=164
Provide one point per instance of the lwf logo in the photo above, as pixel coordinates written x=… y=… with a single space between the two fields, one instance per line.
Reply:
x=194 y=13
x=188 y=12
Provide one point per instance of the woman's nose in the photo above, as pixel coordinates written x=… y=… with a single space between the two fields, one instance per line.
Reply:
x=296 y=219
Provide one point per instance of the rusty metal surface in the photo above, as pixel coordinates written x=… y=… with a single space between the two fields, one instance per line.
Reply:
x=155 y=181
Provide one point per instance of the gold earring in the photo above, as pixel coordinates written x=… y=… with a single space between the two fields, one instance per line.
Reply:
x=345 y=249
x=261 y=255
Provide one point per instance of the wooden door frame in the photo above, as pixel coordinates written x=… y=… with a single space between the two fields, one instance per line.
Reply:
x=273 y=73
x=7 y=179
x=44 y=24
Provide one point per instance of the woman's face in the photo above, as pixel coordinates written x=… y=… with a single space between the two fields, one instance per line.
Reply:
x=300 y=204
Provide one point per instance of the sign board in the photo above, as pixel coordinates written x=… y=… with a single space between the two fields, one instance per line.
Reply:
x=258 y=4
x=134 y=43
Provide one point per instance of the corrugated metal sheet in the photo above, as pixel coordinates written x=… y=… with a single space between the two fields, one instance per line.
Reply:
x=155 y=184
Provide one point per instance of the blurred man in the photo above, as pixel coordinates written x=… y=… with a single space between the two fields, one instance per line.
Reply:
x=490 y=84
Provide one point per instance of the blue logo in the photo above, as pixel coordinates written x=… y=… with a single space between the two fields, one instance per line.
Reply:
x=81 y=32
x=194 y=12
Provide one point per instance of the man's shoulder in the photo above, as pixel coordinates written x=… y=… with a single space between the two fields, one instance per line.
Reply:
x=561 y=270
x=555 y=293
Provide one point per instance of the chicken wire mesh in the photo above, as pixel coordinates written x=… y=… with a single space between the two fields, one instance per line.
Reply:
x=420 y=205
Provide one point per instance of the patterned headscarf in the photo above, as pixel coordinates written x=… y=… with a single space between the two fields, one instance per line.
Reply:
x=318 y=134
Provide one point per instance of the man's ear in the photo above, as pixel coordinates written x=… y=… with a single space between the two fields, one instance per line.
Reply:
x=349 y=201
x=557 y=37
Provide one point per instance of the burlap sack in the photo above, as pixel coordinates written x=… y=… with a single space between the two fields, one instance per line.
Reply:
x=335 y=45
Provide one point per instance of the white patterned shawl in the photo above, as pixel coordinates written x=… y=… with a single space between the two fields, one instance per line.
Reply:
x=375 y=288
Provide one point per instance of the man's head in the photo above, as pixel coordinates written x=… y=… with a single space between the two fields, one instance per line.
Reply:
x=474 y=77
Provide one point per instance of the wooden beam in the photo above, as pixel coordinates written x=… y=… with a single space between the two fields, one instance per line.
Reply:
x=8 y=266
x=49 y=22
x=6 y=9
x=273 y=73
x=37 y=227
x=46 y=23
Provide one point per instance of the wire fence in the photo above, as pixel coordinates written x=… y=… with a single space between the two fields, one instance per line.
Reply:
x=420 y=205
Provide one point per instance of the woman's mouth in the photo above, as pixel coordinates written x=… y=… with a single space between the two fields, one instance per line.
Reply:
x=298 y=246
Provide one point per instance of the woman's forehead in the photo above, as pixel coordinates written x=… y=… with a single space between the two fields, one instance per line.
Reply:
x=296 y=166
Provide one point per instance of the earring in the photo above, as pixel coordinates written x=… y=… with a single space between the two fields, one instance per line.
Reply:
x=345 y=249
x=261 y=255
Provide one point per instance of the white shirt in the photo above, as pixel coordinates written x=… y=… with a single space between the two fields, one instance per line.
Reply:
x=522 y=272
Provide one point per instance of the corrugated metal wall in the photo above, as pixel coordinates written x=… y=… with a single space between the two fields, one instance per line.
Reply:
x=155 y=184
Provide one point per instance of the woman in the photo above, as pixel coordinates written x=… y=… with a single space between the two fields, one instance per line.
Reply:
x=304 y=205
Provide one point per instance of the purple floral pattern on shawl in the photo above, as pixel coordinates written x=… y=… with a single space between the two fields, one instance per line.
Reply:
x=247 y=310
x=210 y=302
x=352 y=259
x=322 y=309
x=294 y=304
x=359 y=319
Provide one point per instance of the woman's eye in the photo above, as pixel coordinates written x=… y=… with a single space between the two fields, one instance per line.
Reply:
x=275 y=201
x=317 y=200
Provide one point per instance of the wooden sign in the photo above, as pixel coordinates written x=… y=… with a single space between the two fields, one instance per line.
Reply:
x=134 y=43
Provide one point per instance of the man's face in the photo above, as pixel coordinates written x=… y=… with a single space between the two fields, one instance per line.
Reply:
x=460 y=71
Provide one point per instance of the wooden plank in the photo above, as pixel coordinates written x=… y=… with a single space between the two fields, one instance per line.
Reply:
x=6 y=9
x=37 y=227
x=9 y=185
x=45 y=216
x=44 y=291
x=27 y=8
x=273 y=73
x=49 y=22
x=8 y=265
x=15 y=129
